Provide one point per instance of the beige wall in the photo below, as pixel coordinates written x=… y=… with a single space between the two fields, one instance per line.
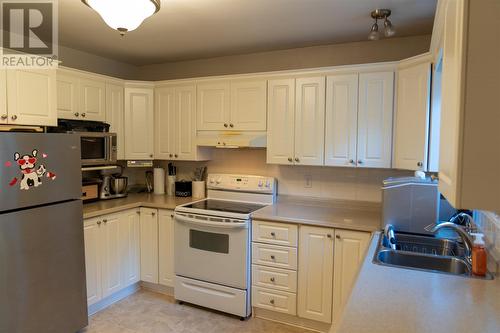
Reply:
x=307 y=57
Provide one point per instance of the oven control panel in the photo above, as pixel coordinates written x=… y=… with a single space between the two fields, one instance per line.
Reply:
x=241 y=183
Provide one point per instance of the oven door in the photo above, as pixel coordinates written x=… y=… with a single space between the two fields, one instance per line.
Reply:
x=212 y=249
x=98 y=148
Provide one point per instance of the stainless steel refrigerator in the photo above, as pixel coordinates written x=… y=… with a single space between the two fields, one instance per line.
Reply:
x=42 y=259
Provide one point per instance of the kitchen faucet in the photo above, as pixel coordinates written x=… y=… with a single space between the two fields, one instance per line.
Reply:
x=464 y=235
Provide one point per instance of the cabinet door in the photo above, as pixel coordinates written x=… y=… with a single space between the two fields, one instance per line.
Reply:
x=92 y=99
x=165 y=123
x=350 y=248
x=111 y=254
x=149 y=245
x=130 y=247
x=310 y=121
x=376 y=93
x=115 y=115
x=341 y=120
x=248 y=105
x=166 y=247
x=139 y=122
x=3 y=97
x=315 y=273
x=213 y=105
x=281 y=121
x=185 y=124
x=412 y=117
x=91 y=234
x=31 y=97
x=67 y=96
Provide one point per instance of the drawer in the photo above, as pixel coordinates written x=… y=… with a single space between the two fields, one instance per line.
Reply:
x=274 y=278
x=279 y=301
x=274 y=233
x=274 y=256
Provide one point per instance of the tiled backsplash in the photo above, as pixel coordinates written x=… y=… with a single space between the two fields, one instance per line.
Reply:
x=325 y=182
x=489 y=223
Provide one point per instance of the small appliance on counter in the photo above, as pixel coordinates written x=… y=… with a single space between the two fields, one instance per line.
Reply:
x=90 y=189
x=113 y=187
x=183 y=188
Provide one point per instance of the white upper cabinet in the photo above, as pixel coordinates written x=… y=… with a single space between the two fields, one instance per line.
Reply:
x=92 y=99
x=139 y=122
x=341 y=120
x=213 y=104
x=3 y=97
x=281 y=121
x=31 y=97
x=68 y=96
x=411 y=137
x=375 y=113
x=115 y=115
x=80 y=96
x=248 y=105
x=310 y=120
x=175 y=124
x=315 y=285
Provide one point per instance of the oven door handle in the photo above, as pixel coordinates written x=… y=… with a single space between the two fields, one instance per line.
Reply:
x=227 y=225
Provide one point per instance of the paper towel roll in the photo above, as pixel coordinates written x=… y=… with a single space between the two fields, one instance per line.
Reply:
x=159 y=181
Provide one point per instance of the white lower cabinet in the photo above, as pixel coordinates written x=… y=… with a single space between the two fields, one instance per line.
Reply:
x=166 y=247
x=111 y=253
x=149 y=245
x=315 y=273
x=311 y=278
x=350 y=248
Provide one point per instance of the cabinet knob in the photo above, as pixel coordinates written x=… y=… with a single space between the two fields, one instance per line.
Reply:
x=151 y=155
x=153 y=214
x=273 y=234
x=273 y=257
x=172 y=215
x=297 y=159
x=272 y=279
x=352 y=161
x=360 y=162
x=105 y=221
x=290 y=159
x=329 y=236
x=138 y=212
x=4 y=116
x=170 y=155
x=175 y=155
x=271 y=301
x=83 y=114
x=337 y=236
x=231 y=125
x=14 y=117
x=419 y=164
x=76 y=114
x=99 y=223
x=225 y=125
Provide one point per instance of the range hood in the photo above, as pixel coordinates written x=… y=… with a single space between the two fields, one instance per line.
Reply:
x=232 y=140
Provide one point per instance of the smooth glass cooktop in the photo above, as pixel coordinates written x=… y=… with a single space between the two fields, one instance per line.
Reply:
x=226 y=206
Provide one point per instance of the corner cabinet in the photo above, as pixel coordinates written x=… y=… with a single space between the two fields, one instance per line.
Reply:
x=115 y=115
x=296 y=115
x=175 y=124
x=139 y=122
x=412 y=116
x=30 y=97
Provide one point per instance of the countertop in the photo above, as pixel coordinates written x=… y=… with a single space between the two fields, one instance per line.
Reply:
x=343 y=214
x=386 y=299
x=133 y=200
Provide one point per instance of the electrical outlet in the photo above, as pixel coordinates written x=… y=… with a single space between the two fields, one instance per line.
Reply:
x=308 y=181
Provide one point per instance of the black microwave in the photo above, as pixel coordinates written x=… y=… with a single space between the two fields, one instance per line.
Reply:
x=98 y=148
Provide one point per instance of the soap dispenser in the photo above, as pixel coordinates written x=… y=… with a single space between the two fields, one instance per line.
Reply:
x=479 y=260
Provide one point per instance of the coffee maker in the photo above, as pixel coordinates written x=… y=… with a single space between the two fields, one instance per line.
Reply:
x=113 y=187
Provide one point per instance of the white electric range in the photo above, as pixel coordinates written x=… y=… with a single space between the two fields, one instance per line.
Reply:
x=212 y=242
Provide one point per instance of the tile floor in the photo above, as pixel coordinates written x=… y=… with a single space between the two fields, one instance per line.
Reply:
x=149 y=312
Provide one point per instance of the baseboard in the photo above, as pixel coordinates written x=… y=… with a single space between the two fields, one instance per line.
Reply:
x=158 y=288
x=118 y=296
x=295 y=321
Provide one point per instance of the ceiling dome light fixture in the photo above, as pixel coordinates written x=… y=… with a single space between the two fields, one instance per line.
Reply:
x=124 y=15
x=381 y=14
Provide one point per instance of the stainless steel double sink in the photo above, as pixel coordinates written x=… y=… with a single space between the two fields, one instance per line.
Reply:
x=427 y=253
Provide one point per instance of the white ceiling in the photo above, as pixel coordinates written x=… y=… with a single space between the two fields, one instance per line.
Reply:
x=193 y=29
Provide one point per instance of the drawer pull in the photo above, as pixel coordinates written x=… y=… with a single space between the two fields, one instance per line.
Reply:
x=273 y=257
x=272 y=301
x=272 y=279
x=273 y=234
